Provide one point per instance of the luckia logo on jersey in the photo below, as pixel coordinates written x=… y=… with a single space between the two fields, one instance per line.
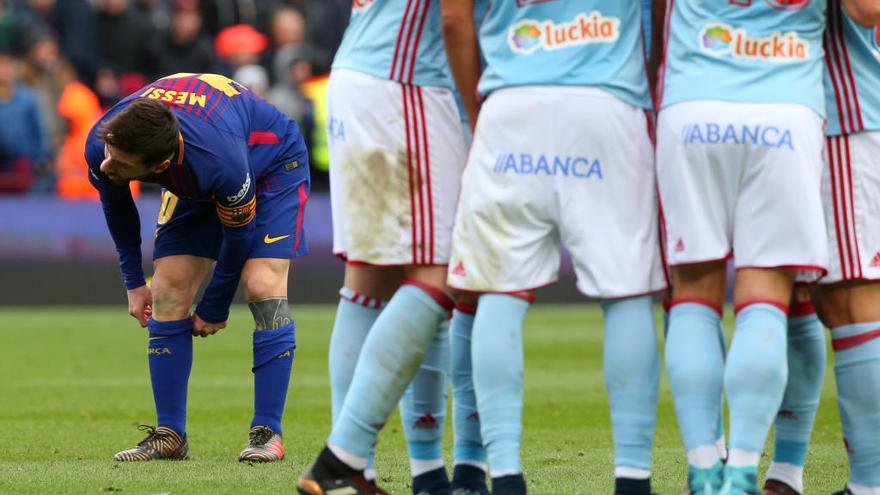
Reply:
x=721 y=40
x=358 y=6
x=528 y=36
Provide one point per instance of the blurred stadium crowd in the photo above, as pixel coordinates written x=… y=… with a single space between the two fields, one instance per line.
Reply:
x=63 y=62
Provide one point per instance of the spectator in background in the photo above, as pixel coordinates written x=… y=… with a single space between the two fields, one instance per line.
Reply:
x=221 y=14
x=254 y=78
x=121 y=35
x=41 y=74
x=153 y=13
x=9 y=34
x=287 y=94
x=240 y=45
x=23 y=143
x=287 y=33
x=181 y=47
x=71 y=22
x=79 y=106
x=326 y=21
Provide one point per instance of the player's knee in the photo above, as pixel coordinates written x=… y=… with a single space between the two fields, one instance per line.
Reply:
x=172 y=298
x=264 y=279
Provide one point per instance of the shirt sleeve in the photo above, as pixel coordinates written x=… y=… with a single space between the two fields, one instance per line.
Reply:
x=121 y=215
x=234 y=190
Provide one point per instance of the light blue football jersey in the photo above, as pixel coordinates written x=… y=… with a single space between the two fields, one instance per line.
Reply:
x=852 y=74
x=398 y=40
x=566 y=42
x=755 y=51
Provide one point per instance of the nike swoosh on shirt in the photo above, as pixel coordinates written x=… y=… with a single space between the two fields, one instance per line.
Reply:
x=270 y=240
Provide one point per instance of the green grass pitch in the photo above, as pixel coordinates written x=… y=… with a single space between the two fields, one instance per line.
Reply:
x=74 y=384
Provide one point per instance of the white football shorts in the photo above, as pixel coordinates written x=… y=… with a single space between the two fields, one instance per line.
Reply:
x=396 y=156
x=551 y=166
x=851 y=195
x=743 y=180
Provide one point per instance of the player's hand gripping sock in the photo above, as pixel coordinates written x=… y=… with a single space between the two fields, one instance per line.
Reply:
x=695 y=364
x=498 y=364
x=170 y=355
x=755 y=378
x=423 y=414
x=469 y=454
x=396 y=345
x=857 y=369
x=794 y=423
x=632 y=378
x=274 y=343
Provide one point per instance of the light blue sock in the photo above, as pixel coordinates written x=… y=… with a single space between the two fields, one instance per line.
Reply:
x=632 y=376
x=857 y=368
x=756 y=374
x=355 y=315
x=468 y=443
x=396 y=344
x=423 y=407
x=695 y=363
x=794 y=423
x=498 y=365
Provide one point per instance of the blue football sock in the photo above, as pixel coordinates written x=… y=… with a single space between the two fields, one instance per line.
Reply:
x=632 y=377
x=423 y=407
x=857 y=368
x=170 y=356
x=498 y=365
x=396 y=344
x=756 y=375
x=468 y=444
x=273 y=360
x=794 y=423
x=695 y=364
x=355 y=316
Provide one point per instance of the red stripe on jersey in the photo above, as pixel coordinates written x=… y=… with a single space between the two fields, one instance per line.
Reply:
x=216 y=102
x=849 y=73
x=415 y=50
x=846 y=124
x=830 y=67
x=394 y=60
x=661 y=78
x=427 y=177
x=263 y=137
x=410 y=29
x=303 y=199
x=409 y=169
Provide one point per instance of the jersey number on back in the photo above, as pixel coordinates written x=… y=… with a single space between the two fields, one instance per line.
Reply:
x=221 y=83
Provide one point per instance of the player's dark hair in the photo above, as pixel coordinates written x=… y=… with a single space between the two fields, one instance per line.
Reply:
x=146 y=128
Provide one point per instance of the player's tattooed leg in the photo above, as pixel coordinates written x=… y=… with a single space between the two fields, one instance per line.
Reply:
x=270 y=314
x=274 y=342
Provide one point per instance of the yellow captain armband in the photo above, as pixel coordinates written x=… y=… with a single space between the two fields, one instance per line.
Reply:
x=237 y=216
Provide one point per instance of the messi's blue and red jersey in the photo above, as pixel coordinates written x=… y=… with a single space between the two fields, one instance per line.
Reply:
x=231 y=141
